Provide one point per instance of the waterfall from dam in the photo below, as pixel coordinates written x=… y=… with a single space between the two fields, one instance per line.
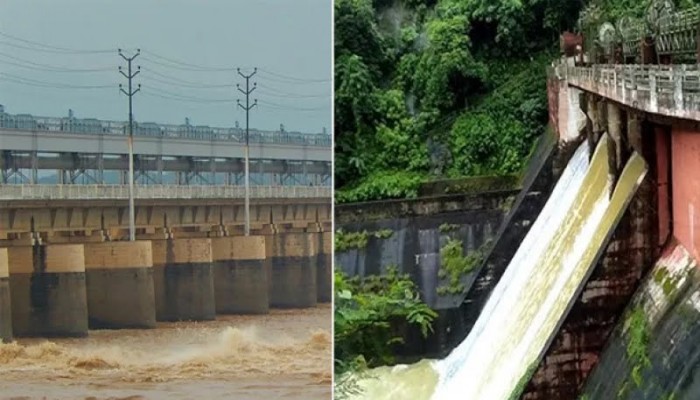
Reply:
x=533 y=296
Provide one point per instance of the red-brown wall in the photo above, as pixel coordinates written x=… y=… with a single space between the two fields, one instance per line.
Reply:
x=686 y=189
x=663 y=177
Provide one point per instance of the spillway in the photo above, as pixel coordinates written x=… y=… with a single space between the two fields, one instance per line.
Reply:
x=534 y=295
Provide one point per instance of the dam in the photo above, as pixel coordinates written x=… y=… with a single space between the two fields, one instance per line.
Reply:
x=529 y=301
x=192 y=295
x=588 y=285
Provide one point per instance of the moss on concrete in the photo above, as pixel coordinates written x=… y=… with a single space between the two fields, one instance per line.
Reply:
x=454 y=265
x=345 y=241
x=476 y=184
x=523 y=381
x=446 y=228
x=638 y=337
x=668 y=282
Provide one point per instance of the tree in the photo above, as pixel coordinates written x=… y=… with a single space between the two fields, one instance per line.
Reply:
x=356 y=34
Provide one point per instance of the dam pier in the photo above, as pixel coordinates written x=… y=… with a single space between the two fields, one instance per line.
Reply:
x=67 y=266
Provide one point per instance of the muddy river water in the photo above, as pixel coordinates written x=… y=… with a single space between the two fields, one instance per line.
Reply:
x=285 y=354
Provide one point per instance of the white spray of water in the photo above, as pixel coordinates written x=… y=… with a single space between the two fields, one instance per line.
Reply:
x=525 y=258
x=531 y=298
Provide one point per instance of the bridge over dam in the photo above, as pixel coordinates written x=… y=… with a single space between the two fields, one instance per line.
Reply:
x=652 y=110
x=587 y=279
x=88 y=151
x=67 y=266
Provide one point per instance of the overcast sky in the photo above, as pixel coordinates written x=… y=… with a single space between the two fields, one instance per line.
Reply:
x=288 y=40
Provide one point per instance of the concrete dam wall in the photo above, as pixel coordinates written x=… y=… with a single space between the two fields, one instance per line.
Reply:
x=410 y=234
x=49 y=290
x=654 y=350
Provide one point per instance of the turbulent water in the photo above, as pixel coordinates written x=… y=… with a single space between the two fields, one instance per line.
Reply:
x=286 y=354
x=532 y=297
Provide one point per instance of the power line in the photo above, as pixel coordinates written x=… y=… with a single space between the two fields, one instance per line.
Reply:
x=183 y=85
x=272 y=78
x=189 y=65
x=280 y=93
x=49 y=51
x=190 y=98
x=178 y=82
x=295 y=79
x=186 y=68
x=176 y=64
x=180 y=99
x=34 y=82
x=46 y=67
x=154 y=58
x=285 y=107
x=186 y=83
x=51 y=48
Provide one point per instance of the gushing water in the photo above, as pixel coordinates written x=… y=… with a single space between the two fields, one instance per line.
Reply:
x=531 y=299
x=286 y=353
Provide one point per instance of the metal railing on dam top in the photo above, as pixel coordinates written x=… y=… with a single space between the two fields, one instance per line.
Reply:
x=119 y=192
x=672 y=90
x=27 y=122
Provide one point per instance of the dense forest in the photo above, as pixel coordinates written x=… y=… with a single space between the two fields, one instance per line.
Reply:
x=435 y=89
x=429 y=89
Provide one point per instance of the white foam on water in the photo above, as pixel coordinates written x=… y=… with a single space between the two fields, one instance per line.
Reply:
x=462 y=364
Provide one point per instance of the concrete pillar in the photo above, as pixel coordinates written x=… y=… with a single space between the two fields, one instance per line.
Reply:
x=293 y=269
x=5 y=309
x=634 y=132
x=183 y=280
x=615 y=131
x=594 y=114
x=47 y=287
x=240 y=275
x=324 y=276
x=119 y=277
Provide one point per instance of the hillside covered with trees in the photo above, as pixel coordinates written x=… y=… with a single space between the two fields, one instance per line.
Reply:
x=435 y=89
x=429 y=89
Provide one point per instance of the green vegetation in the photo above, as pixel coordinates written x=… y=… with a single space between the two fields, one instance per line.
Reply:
x=350 y=240
x=472 y=184
x=453 y=265
x=445 y=228
x=383 y=233
x=365 y=313
x=523 y=381
x=345 y=384
x=668 y=282
x=432 y=89
x=357 y=240
x=669 y=396
x=638 y=336
x=381 y=185
x=624 y=390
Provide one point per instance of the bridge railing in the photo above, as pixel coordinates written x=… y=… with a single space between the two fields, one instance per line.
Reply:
x=666 y=89
x=121 y=192
x=677 y=32
x=26 y=122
